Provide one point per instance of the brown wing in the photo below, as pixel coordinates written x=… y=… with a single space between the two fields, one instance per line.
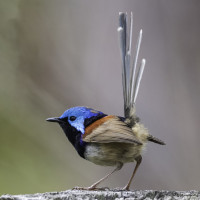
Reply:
x=109 y=129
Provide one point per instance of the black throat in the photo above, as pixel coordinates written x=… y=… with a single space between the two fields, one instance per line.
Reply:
x=74 y=137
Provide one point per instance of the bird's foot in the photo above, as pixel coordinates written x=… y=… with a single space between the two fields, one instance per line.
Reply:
x=83 y=188
x=90 y=188
x=122 y=189
x=126 y=188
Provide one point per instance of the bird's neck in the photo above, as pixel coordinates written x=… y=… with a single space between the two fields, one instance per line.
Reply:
x=74 y=137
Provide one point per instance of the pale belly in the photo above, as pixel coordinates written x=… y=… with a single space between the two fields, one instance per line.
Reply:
x=110 y=154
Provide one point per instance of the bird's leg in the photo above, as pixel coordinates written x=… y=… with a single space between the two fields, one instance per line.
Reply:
x=93 y=186
x=138 y=161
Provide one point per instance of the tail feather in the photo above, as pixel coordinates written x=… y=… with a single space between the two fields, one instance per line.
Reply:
x=155 y=140
x=130 y=82
x=131 y=74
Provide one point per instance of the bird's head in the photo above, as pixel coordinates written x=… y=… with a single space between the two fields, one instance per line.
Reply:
x=74 y=121
x=77 y=119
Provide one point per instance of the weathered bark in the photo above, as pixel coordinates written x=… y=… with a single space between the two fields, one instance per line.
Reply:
x=114 y=194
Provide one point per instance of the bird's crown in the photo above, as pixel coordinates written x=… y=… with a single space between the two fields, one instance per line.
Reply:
x=77 y=116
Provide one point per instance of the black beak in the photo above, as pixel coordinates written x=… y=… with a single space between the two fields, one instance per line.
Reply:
x=53 y=119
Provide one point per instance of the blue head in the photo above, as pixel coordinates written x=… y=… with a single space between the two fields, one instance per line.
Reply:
x=78 y=116
x=74 y=121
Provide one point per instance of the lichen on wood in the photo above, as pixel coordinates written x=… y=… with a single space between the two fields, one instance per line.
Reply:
x=107 y=194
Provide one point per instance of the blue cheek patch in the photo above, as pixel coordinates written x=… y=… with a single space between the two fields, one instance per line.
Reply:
x=78 y=124
x=81 y=113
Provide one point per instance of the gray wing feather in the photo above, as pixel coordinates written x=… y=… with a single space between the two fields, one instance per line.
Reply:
x=112 y=130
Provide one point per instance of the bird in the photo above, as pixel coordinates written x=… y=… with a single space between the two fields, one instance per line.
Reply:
x=110 y=140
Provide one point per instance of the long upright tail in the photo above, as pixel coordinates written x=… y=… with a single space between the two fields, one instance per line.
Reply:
x=131 y=74
x=131 y=77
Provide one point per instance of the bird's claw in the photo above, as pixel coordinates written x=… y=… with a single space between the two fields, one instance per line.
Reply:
x=122 y=189
x=80 y=188
x=90 y=188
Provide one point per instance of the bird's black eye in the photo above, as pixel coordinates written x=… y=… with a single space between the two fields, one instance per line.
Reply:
x=72 y=118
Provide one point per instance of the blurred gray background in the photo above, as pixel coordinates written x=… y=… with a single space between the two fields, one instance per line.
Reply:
x=64 y=53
